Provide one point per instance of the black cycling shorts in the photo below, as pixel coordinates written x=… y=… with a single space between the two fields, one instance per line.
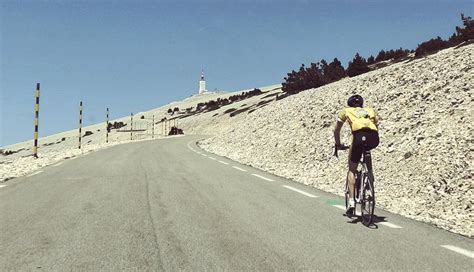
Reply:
x=363 y=139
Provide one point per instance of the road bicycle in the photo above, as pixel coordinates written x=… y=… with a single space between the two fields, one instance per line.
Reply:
x=364 y=191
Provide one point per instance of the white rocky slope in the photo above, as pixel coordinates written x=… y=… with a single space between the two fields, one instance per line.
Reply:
x=423 y=166
x=64 y=145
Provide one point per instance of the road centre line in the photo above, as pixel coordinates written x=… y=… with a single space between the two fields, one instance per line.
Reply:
x=204 y=155
x=258 y=176
x=299 y=191
x=459 y=250
x=223 y=162
x=212 y=158
x=240 y=169
x=390 y=225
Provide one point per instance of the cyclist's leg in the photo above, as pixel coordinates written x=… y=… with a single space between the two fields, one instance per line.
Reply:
x=351 y=178
x=372 y=142
x=353 y=162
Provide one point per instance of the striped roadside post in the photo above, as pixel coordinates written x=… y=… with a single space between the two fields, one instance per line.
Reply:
x=37 y=95
x=107 y=127
x=80 y=124
x=153 y=127
x=131 y=126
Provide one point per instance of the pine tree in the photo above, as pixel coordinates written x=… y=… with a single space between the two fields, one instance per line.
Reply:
x=371 y=60
x=357 y=66
x=467 y=32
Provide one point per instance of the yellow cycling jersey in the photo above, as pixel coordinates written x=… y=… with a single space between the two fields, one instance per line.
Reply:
x=359 y=118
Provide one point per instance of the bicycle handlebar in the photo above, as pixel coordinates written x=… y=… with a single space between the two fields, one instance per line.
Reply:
x=339 y=147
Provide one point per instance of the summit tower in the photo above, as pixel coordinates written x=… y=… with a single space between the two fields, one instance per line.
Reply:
x=202 y=84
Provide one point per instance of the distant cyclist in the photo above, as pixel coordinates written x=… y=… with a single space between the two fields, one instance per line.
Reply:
x=363 y=122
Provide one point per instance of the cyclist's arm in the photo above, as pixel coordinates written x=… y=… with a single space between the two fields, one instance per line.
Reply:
x=341 y=118
x=337 y=132
x=376 y=119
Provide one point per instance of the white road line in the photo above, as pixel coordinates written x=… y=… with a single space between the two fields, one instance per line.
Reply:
x=2 y=186
x=35 y=173
x=224 y=162
x=212 y=158
x=240 y=169
x=459 y=250
x=299 y=191
x=390 y=225
x=57 y=164
x=258 y=176
x=340 y=207
x=190 y=146
x=204 y=155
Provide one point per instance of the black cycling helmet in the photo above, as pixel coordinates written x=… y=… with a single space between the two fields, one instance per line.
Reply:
x=355 y=101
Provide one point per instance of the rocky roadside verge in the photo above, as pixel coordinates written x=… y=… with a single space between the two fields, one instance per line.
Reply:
x=423 y=166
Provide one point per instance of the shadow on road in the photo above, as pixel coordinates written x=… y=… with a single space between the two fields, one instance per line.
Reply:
x=358 y=219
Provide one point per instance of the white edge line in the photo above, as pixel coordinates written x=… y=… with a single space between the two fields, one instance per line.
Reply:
x=204 y=155
x=35 y=173
x=390 y=225
x=212 y=158
x=3 y=185
x=223 y=162
x=240 y=169
x=258 y=176
x=57 y=164
x=299 y=191
x=459 y=250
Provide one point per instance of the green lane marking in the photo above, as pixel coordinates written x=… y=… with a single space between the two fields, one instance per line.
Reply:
x=335 y=202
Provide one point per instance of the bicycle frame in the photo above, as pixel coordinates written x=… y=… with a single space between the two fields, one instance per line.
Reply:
x=365 y=170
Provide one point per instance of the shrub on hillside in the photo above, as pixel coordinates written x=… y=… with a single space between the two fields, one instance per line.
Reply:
x=115 y=125
x=175 y=131
x=229 y=110
x=431 y=46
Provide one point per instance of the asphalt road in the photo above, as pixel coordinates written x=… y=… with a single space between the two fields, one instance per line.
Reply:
x=168 y=205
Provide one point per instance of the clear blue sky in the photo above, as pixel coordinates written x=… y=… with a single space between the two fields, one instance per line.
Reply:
x=133 y=56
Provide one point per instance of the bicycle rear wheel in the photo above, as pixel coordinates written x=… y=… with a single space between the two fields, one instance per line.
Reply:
x=367 y=199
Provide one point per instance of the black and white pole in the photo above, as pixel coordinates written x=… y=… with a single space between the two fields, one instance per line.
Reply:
x=80 y=124
x=153 y=127
x=107 y=127
x=131 y=126
x=37 y=95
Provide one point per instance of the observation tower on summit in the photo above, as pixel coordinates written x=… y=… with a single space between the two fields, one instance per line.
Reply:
x=202 y=84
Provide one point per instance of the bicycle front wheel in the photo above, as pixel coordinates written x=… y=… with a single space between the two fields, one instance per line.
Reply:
x=367 y=200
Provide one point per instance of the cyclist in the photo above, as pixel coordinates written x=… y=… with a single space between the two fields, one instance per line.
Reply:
x=363 y=122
